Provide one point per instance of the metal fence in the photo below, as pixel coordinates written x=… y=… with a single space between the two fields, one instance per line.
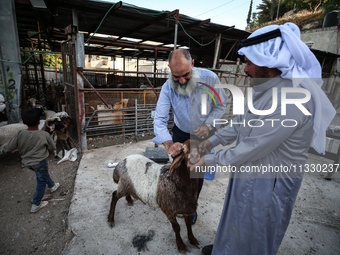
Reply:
x=136 y=121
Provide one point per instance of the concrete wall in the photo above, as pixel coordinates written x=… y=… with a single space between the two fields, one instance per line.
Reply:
x=327 y=39
x=322 y=38
x=10 y=64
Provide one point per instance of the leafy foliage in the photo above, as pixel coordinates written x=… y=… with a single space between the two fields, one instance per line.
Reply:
x=49 y=59
x=268 y=10
x=249 y=12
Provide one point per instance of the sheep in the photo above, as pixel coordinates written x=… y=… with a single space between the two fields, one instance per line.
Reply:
x=30 y=103
x=49 y=114
x=2 y=107
x=53 y=124
x=2 y=99
x=166 y=186
x=63 y=134
x=3 y=117
x=47 y=109
x=8 y=131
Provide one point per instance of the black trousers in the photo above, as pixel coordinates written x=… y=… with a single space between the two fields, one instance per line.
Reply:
x=180 y=136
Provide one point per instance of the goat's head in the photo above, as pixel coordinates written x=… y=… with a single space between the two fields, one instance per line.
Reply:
x=40 y=110
x=191 y=154
x=54 y=124
x=32 y=103
x=68 y=122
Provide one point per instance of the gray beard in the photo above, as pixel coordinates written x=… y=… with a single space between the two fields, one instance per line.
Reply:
x=184 y=90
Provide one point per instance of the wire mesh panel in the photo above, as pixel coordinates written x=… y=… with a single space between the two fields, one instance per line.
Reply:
x=69 y=65
x=69 y=80
x=137 y=120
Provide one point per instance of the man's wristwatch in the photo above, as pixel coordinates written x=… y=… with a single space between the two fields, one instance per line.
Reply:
x=209 y=126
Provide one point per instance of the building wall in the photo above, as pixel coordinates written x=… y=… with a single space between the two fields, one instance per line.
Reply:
x=104 y=62
x=327 y=39
x=321 y=38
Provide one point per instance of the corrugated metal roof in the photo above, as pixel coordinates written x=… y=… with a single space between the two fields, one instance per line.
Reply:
x=124 y=20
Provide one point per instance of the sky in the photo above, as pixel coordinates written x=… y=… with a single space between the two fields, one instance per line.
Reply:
x=224 y=12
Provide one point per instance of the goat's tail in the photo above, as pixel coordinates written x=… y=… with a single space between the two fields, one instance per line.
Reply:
x=121 y=166
x=116 y=175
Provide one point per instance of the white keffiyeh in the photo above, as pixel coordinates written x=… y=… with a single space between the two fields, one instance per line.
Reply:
x=296 y=62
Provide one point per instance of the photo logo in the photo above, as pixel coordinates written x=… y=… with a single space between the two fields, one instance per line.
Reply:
x=204 y=97
x=238 y=100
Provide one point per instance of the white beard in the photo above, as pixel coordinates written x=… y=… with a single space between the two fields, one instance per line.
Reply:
x=184 y=90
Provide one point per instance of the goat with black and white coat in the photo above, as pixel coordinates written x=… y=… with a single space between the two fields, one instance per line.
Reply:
x=166 y=186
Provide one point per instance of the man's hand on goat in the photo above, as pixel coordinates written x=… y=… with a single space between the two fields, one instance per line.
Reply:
x=206 y=147
x=173 y=148
x=202 y=131
x=198 y=164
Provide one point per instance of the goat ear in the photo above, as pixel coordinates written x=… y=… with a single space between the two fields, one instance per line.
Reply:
x=176 y=163
x=200 y=148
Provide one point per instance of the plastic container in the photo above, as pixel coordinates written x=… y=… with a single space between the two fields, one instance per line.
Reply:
x=112 y=164
x=211 y=174
x=331 y=19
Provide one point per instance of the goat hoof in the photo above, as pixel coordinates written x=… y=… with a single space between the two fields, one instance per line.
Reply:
x=194 y=242
x=182 y=248
x=183 y=251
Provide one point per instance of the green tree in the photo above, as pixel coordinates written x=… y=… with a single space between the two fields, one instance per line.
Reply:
x=255 y=21
x=330 y=5
x=267 y=10
x=249 y=13
x=310 y=5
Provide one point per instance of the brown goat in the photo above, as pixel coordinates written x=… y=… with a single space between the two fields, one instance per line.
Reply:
x=166 y=186
x=63 y=135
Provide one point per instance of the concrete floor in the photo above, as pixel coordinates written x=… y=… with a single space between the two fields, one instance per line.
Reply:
x=314 y=228
x=91 y=203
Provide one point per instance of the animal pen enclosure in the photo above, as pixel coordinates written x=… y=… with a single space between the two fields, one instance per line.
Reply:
x=109 y=110
x=132 y=110
x=132 y=113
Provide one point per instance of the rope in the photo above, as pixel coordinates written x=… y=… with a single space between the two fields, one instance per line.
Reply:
x=101 y=23
x=194 y=38
x=139 y=241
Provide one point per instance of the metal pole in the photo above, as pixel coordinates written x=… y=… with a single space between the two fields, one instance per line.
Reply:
x=155 y=68
x=136 y=118
x=176 y=30
x=217 y=49
x=100 y=97
x=278 y=8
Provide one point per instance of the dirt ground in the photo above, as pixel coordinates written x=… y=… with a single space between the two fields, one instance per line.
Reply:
x=44 y=232
x=314 y=227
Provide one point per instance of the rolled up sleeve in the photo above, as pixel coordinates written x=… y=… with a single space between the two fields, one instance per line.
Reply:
x=160 y=123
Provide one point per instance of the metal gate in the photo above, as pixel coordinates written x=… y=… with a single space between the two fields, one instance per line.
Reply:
x=70 y=81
